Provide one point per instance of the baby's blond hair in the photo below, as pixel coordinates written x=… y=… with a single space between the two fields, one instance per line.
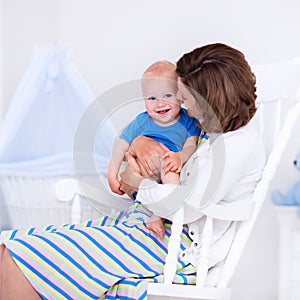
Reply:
x=161 y=68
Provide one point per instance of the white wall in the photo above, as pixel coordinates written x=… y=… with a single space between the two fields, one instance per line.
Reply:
x=113 y=41
x=25 y=23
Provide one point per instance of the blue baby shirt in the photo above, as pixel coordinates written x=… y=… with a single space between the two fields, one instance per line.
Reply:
x=173 y=136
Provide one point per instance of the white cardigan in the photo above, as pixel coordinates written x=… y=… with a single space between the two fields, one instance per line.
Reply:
x=223 y=171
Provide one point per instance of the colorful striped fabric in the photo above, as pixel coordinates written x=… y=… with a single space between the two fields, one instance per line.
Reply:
x=203 y=137
x=107 y=258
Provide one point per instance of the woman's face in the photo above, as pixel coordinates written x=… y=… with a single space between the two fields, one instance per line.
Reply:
x=184 y=95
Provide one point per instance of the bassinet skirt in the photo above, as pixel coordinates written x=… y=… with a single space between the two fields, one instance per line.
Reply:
x=108 y=258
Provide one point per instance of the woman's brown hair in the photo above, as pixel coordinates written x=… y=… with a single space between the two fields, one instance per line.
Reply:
x=221 y=76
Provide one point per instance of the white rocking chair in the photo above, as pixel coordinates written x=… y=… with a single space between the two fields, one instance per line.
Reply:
x=276 y=135
x=280 y=136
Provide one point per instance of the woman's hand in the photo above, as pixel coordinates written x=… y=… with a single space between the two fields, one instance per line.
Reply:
x=148 y=154
x=131 y=177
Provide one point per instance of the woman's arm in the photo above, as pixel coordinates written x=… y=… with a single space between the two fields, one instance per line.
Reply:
x=131 y=177
x=223 y=173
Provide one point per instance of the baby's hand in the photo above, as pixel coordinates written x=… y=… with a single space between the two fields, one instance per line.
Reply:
x=173 y=162
x=115 y=186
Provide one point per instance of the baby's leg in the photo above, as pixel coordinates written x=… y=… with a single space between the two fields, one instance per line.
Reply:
x=156 y=224
x=170 y=177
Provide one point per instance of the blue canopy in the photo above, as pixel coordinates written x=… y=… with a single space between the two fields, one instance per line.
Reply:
x=37 y=133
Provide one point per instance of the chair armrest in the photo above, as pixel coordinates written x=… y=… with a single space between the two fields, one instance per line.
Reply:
x=236 y=211
x=66 y=189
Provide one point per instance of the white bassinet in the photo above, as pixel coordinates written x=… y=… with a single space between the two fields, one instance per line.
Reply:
x=36 y=142
x=32 y=202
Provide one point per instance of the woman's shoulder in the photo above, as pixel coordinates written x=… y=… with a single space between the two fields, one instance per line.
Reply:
x=247 y=132
x=247 y=139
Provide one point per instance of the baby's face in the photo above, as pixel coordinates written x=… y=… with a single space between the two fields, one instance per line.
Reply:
x=160 y=100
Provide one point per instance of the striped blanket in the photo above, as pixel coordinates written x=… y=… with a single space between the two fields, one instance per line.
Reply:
x=108 y=258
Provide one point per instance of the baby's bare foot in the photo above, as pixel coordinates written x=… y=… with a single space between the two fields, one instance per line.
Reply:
x=156 y=224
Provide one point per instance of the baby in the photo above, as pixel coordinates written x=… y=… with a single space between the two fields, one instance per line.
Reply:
x=165 y=121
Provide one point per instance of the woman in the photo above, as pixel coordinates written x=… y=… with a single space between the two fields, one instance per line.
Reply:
x=115 y=257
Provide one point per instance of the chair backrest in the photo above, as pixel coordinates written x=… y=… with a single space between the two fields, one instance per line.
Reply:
x=276 y=136
x=278 y=112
